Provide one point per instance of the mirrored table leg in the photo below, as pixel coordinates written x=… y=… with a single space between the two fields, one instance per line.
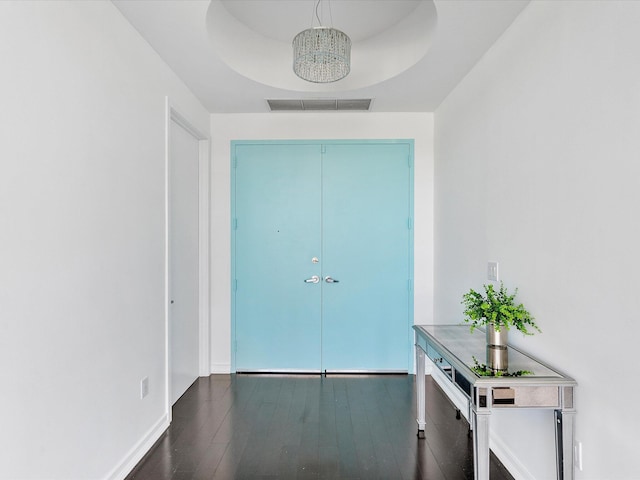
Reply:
x=420 y=394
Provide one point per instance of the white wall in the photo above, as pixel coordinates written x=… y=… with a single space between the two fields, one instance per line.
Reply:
x=227 y=127
x=537 y=167
x=82 y=243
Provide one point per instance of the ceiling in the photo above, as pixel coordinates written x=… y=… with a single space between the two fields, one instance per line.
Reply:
x=407 y=55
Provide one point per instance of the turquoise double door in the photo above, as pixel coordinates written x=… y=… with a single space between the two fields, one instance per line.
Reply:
x=322 y=255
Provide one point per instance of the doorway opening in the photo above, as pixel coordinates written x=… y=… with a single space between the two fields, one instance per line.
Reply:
x=322 y=256
x=187 y=255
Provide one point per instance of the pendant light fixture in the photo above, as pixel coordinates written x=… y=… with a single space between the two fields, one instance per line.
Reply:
x=321 y=54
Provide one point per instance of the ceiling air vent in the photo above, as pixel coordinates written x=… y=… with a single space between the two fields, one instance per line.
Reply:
x=320 y=104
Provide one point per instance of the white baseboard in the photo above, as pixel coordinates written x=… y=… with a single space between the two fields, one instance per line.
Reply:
x=220 y=368
x=508 y=459
x=139 y=450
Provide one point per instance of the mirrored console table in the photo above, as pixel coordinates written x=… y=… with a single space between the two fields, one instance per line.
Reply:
x=456 y=352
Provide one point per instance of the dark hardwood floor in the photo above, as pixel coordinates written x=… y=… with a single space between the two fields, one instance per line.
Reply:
x=311 y=427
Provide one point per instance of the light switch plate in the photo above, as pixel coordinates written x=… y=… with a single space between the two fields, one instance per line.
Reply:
x=492 y=271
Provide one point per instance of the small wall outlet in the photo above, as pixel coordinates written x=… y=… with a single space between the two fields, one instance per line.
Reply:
x=492 y=271
x=144 y=387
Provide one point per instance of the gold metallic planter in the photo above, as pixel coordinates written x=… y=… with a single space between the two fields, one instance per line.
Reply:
x=497 y=353
x=497 y=358
x=497 y=338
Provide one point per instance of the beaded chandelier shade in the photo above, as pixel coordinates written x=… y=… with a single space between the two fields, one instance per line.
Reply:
x=321 y=55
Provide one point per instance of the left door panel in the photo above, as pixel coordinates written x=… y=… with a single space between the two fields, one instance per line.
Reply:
x=278 y=235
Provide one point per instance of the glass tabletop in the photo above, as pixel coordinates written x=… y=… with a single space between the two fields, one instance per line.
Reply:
x=466 y=346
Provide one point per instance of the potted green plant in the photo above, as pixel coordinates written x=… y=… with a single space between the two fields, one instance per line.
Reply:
x=498 y=312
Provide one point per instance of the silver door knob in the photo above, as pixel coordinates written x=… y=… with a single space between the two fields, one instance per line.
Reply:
x=314 y=279
x=330 y=280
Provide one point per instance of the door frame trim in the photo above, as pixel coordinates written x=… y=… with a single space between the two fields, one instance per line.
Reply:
x=172 y=113
x=408 y=141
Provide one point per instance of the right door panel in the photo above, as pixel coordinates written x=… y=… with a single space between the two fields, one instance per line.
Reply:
x=366 y=247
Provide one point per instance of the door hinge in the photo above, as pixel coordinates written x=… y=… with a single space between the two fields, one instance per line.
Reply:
x=235 y=285
x=235 y=161
x=410 y=223
x=235 y=223
x=410 y=285
x=410 y=160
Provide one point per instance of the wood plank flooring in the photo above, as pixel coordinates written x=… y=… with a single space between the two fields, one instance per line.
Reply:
x=271 y=427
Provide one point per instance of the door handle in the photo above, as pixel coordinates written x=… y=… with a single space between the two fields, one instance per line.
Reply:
x=330 y=280
x=314 y=279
